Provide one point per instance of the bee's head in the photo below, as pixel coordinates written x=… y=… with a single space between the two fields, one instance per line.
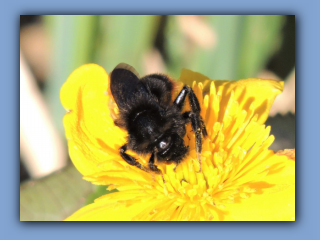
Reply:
x=152 y=130
x=144 y=128
x=170 y=148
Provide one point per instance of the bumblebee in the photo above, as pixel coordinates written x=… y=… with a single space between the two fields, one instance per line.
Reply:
x=153 y=120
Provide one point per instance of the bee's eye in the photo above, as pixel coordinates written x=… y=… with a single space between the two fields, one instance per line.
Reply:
x=164 y=143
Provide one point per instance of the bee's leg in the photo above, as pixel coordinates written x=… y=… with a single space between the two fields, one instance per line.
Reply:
x=194 y=103
x=181 y=98
x=197 y=128
x=194 y=115
x=153 y=167
x=129 y=159
x=174 y=169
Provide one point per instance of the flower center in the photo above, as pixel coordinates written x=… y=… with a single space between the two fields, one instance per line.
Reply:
x=231 y=159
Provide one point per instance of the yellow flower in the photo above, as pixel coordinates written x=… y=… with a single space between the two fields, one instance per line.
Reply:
x=240 y=178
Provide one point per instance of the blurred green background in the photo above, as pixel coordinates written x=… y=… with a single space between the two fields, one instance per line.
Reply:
x=228 y=47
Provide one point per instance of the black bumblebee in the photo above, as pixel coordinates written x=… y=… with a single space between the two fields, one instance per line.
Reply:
x=154 y=122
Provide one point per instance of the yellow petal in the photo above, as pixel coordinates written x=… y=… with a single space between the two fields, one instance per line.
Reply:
x=103 y=212
x=91 y=134
x=187 y=77
x=94 y=140
x=259 y=92
x=274 y=199
x=114 y=207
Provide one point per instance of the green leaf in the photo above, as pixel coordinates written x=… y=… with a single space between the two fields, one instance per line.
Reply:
x=259 y=38
x=73 y=40
x=219 y=62
x=243 y=45
x=127 y=38
x=100 y=190
x=55 y=197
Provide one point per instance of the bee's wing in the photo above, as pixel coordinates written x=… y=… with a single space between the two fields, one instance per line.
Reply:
x=124 y=82
x=127 y=67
